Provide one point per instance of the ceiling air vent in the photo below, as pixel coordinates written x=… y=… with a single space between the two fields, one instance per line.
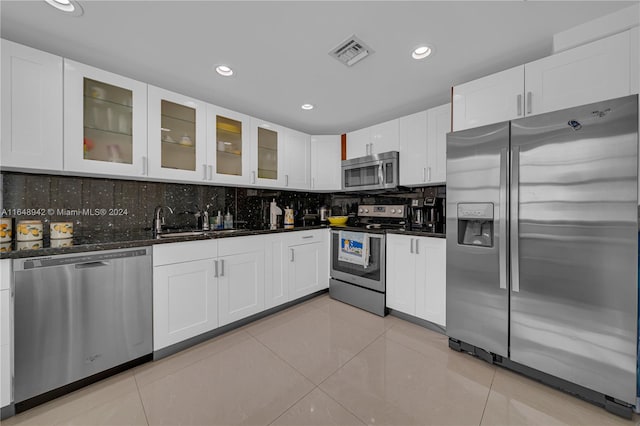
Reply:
x=351 y=51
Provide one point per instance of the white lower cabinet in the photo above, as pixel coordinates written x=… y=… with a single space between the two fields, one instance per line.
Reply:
x=416 y=276
x=185 y=293
x=276 y=291
x=241 y=278
x=306 y=263
x=6 y=331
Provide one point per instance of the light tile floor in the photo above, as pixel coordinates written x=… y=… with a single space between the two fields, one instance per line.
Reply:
x=319 y=363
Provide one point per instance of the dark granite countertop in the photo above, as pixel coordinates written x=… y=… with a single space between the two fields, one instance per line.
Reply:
x=119 y=240
x=390 y=231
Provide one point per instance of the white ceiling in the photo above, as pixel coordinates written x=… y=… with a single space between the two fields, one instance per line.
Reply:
x=279 y=50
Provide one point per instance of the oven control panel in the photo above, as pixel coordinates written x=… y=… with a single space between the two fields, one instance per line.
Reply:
x=398 y=211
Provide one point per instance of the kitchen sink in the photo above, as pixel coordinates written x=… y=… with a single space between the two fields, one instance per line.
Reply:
x=196 y=233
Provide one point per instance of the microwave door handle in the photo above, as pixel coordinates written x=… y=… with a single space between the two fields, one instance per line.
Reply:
x=381 y=174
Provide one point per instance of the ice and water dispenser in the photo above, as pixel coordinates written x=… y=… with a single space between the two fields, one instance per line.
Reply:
x=475 y=224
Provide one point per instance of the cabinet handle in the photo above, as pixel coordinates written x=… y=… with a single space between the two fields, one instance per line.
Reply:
x=292 y=255
x=286 y=180
x=417 y=246
x=215 y=263
x=253 y=177
x=529 y=102
x=428 y=174
x=313 y=183
x=519 y=104
x=210 y=172
x=144 y=165
x=204 y=172
x=307 y=237
x=222 y=268
x=411 y=249
x=424 y=174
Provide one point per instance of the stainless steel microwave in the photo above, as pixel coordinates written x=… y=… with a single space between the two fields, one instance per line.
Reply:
x=379 y=171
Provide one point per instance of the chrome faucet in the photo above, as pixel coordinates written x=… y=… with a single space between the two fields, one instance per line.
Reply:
x=159 y=218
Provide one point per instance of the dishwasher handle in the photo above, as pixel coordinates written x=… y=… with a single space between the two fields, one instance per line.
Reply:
x=91 y=265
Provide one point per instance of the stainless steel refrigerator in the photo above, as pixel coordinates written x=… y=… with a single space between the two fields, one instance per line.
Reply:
x=542 y=247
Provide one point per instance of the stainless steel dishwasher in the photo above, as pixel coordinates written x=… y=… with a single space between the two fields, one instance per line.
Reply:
x=78 y=315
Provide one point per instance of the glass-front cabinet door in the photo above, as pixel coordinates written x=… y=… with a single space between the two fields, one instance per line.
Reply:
x=268 y=154
x=105 y=122
x=228 y=150
x=177 y=137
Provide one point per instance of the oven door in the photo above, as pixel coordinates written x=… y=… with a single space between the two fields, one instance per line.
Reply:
x=372 y=276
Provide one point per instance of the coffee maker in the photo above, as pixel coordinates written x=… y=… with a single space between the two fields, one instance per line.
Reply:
x=427 y=214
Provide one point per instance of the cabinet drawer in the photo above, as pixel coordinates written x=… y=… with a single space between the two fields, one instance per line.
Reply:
x=6 y=270
x=304 y=237
x=239 y=245
x=165 y=254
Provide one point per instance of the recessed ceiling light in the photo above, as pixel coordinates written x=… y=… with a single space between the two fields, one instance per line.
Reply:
x=69 y=6
x=421 y=52
x=307 y=107
x=224 y=70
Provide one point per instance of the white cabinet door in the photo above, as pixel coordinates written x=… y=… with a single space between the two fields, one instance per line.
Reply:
x=326 y=163
x=31 y=108
x=384 y=137
x=358 y=143
x=276 y=291
x=593 y=72
x=431 y=280
x=105 y=122
x=177 y=132
x=306 y=268
x=438 y=125
x=241 y=286
x=267 y=154
x=492 y=99
x=413 y=149
x=185 y=301
x=400 y=275
x=297 y=160
x=228 y=146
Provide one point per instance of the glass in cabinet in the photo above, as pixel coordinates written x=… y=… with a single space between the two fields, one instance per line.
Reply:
x=177 y=136
x=227 y=148
x=104 y=122
x=267 y=155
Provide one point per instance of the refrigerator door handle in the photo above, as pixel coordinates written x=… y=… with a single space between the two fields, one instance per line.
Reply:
x=515 y=200
x=504 y=202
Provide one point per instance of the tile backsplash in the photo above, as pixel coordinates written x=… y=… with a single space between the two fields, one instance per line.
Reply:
x=96 y=205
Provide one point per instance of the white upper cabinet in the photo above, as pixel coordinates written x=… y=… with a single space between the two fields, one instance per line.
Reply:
x=497 y=97
x=31 y=108
x=384 y=137
x=438 y=125
x=267 y=154
x=413 y=149
x=228 y=148
x=423 y=146
x=326 y=163
x=105 y=122
x=358 y=143
x=589 y=73
x=177 y=136
x=372 y=140
x=297 y=160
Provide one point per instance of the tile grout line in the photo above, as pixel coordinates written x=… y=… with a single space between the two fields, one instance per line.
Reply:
x=340 y=404
x=488 y=394
x=144 y=410
x=294 y=403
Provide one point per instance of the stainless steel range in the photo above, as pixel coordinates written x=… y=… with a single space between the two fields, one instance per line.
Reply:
x=358 y=257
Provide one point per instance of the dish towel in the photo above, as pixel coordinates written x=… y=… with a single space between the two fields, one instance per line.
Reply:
x=354 y=248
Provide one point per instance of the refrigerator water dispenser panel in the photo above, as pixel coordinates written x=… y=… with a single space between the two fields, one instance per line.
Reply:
x=475 y=224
